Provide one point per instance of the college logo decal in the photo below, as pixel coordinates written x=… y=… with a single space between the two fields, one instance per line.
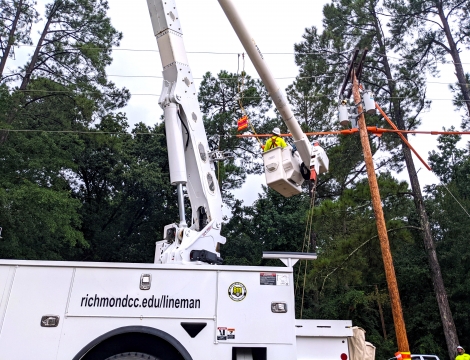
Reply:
x=237 y=291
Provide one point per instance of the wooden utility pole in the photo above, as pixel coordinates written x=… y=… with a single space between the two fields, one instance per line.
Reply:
x=400 y=330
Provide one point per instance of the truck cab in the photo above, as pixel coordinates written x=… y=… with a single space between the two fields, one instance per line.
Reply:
x=424 y=357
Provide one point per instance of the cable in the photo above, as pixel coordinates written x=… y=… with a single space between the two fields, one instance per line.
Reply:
x=277 y=78
x=234 y=53
x=219 y=79
x=309 y=226
x=252 y=97
x=451 y=194
x=240 y=97
x=79 y=132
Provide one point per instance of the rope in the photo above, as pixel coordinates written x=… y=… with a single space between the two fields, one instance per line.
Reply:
x=303 y=245
x=240 y=97
x=458 y=202
x=307 y=235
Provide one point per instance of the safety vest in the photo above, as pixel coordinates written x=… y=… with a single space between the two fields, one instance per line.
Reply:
x=275 y=142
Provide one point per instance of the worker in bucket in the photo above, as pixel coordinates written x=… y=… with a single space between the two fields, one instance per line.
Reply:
x=275 y=140
x=462 y=355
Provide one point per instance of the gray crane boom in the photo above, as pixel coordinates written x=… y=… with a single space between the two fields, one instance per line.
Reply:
x=301 y=141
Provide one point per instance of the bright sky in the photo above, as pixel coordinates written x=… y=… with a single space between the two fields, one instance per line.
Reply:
x=275 y=25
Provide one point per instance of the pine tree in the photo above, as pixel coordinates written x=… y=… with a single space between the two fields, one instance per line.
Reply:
x=16 y=19
x=70 y=60
x=428 y=31
x=219 y=97
x=398 y=83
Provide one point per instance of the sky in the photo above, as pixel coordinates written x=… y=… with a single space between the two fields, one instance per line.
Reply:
x=276 y=25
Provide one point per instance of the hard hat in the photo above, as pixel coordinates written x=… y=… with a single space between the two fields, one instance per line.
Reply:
x=276 y=131
x=459 y=347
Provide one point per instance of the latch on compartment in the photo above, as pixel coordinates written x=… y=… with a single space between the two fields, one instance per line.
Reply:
x=145 y=281
x=50 y=321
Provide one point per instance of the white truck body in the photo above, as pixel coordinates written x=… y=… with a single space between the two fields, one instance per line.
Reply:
x=103 y=302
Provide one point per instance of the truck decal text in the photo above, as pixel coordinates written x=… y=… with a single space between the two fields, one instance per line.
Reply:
x=164 y=302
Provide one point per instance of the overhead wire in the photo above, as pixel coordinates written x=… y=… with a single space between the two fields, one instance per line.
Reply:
x=79 y=132
x=371 y=129
x=250 y=97
x=241 y=94
x=451 y=194
x=233 y=53
x=258 y=78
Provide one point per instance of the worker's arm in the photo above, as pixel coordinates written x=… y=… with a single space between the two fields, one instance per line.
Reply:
x=268 y=145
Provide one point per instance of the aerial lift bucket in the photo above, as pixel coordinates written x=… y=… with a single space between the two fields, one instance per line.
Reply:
x=282 y=170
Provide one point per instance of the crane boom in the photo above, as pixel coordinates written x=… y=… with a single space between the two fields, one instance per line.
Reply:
x=285 y=169
x=191 y=163
x=301 y=141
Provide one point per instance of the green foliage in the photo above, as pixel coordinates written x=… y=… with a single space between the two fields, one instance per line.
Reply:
x=103 y=196
x=273 y=223
x=123 y=183
x=219 y=98
x=39 y=223
x=446 y=162
x=451 y=225
x=69 y=65
x=428 y=32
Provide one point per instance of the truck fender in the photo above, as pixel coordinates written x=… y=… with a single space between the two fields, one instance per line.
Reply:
x=159 y=337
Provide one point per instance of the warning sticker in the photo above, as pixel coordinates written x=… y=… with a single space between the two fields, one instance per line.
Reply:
x=225 y=333
x=222 y=335
x=282 y=279
x=273 y=279
x=267 y=278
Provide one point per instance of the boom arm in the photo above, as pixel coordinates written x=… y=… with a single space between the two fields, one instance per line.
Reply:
x=301 y=141
x=191 y=164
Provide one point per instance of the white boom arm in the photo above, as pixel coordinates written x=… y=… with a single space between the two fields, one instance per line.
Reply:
x=191 y=163
x=285 y=170
x=300 y=139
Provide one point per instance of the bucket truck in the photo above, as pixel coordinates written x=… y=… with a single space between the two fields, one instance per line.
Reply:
x=185 y=305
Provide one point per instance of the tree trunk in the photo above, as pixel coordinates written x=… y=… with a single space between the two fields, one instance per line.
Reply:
x=30 y=69
x=447 y=320
x=382 y=320
x=35 y=57
x=454 y=52
x=10 y=39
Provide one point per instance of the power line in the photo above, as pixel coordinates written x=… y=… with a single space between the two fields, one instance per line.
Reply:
x=252 y=97
x=78 y=132
x=451 y=194
x=258 y=78
x=232 y=53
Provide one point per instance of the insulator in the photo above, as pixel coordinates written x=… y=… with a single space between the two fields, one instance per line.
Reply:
x=369 y=102
x=343 y=115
